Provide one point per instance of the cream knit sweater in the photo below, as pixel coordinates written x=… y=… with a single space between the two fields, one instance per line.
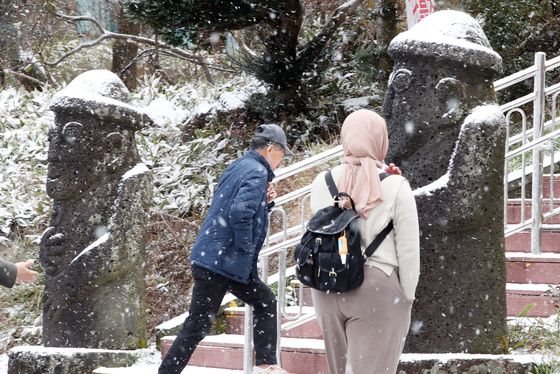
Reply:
x=401 y=248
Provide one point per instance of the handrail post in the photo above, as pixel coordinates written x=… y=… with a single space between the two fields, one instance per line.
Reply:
x=537 y=177
x=248 y=346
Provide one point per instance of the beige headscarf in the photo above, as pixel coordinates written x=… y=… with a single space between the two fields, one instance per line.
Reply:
x=365 y=141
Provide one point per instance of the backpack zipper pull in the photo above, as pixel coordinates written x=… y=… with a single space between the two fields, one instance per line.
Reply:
x=343 y=247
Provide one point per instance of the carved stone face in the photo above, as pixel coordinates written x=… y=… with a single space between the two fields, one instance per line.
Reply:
x=423 y=103
x=80 y=157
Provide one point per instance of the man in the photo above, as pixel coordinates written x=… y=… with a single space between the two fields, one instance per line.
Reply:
x=224 y=256
x=18 y=272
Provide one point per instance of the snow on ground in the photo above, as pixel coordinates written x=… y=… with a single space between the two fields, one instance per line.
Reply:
x=4 y=364
x=149 y=362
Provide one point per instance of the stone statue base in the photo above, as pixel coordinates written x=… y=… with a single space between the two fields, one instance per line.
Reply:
x=51 y=360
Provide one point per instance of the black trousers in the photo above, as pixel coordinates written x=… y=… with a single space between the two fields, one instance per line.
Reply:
x=208 y=292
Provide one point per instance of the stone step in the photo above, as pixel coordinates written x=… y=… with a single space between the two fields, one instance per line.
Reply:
x=307 y=356
x=153 y=369
x=514 y=211
x=546 y=187
x=522 y=267
x=235 y=318
x=226 y=351
x=521 y=241
x=519 y=296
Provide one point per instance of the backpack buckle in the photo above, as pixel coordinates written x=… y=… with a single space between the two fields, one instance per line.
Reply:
x=336 y=201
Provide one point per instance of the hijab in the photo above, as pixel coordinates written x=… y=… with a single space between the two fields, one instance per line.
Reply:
x=364 y=141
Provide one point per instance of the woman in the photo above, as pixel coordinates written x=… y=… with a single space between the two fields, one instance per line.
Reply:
x=366 y=328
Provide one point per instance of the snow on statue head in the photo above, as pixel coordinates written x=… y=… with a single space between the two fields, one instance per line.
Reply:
x=443 y=67
x=93 y=134
x=450 y=35
x=447 y=133
x=93 y=251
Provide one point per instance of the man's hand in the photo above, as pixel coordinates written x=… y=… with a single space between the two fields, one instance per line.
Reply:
x=270 y=193
x=24 y=274
x=392 y=169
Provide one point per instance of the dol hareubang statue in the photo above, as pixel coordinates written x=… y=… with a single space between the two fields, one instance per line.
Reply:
x=93 y=251
x=448 y=133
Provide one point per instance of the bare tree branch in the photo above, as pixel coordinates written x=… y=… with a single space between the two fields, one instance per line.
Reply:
x=138 y=57
x=25 y=77
x=77 y=49
x=105 y=35
x=74 y=19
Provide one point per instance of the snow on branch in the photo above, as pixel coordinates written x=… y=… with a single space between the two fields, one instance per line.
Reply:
x=106 y=34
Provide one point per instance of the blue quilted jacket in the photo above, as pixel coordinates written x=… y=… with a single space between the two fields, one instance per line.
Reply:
x=234 y=230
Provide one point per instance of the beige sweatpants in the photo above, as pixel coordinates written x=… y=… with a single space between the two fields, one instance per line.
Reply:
x=364 y=329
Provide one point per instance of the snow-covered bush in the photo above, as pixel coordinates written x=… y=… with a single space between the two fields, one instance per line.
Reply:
x=24 y=121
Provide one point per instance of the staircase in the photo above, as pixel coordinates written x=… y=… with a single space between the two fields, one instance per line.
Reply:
x=533 y=278
x=530 y=278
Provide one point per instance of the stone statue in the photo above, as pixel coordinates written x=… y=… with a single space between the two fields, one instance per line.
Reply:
x=447 y=133
x=94 y=250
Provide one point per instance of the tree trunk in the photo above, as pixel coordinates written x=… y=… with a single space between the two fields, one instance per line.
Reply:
x=9 y=43
x=281 y=45
x=125 y=51
x=386 y=29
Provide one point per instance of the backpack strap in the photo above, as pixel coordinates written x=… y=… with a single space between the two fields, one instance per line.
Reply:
x=334 y=191
x=378 y=239
x=330 y=184
x=383 y=234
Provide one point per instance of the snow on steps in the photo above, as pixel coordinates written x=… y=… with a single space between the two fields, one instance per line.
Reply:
x=307 y=356
x=235 y=317
x=520 y=296
x=533 y=279
x=532 y=268
x=152 y=369
x=227 y=349
x=410 y=363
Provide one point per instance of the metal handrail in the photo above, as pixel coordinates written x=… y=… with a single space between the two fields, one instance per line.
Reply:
x=318 y=159
x=533 y=144
x=524 y=74
x=514 y=139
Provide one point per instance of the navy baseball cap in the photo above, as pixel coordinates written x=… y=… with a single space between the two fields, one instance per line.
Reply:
x=275 y=134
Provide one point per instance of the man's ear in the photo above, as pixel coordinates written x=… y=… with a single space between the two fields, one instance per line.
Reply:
x=451 y=95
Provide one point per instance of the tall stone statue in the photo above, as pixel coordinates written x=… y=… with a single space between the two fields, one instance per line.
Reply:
x=94 y=250
x=448 y=133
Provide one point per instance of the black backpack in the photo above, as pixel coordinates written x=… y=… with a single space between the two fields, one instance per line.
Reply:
x=318 y=262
